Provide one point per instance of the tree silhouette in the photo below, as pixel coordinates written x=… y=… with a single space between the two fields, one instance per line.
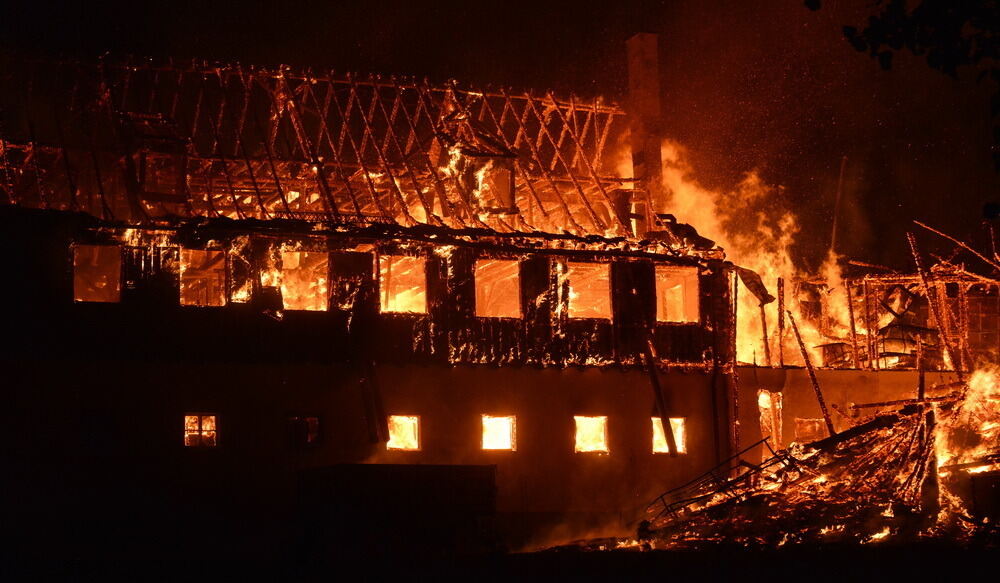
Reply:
x=951 y=34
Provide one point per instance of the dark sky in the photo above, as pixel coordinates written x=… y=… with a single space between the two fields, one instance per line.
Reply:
x=747 y=85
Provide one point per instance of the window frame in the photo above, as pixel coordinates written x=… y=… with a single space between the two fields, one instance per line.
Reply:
x=513 y=432
x=519 y=291
x=422 y=257
x=682 y=448
x=565 y=265
x=657 y=268
x=200 y=432
x=418 y=430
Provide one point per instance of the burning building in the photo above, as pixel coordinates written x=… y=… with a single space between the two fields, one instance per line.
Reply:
x=241 y=287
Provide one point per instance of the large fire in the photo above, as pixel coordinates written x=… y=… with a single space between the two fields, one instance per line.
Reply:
x=756 y=233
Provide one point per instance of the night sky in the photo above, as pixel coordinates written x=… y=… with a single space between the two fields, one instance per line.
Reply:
x=770 y=86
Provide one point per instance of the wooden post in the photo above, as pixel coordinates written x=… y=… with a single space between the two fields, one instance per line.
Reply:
x=763 y=327
x=649 y=358
x=812 y=377
x=935 y=309
x=854 y=329
x=781 y=322
x=920 y=371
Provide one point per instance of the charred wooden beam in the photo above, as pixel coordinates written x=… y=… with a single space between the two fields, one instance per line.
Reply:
x=812 y=376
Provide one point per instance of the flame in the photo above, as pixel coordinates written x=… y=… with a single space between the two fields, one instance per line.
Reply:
x=402 y=284
x=404 y=432
x=677 y=427
x=748 y=223
x=499 y=432
x=591 y=434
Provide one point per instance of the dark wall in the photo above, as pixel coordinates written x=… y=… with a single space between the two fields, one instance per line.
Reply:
x=97 y=395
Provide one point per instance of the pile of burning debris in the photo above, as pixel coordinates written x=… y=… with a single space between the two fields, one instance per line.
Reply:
x=929 y=470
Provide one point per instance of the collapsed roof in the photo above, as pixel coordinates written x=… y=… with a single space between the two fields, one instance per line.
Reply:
x=146 y=143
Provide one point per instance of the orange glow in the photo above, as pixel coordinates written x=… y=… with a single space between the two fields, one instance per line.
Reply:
x=678 y=427
x=591 y=434
x=203 y=278
x=97 y=273
x=589 y=290
x=750 y=225
x=499 y=432
x=807 y=430
x=200 y=430
x=498 y=288
x=676 y=294
x=402 y=284
x=404 y=432
x=304 y=280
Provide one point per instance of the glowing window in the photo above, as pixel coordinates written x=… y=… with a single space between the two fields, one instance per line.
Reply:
x=676 y=294
x=677 y=427
x=404 y=432
x=499 y=432
x=200 y=431
x=97 y=273
x=589 y=290
x=809 y=430
x=402 y=284
x=498 y=288
x=304 y=280
x=203 y=278
x=591 y=434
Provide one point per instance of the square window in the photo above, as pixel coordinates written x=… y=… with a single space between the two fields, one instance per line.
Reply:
x=97 y=273
x=200 y=430
x=404 y=432
x=676 y=294
x=203 y=278
x=303 y=432
x=591 y=434
x=498 y=288
x=589 y=290
x=402 y=284
x=499 y=432
x=304 y=280
x=677 y=427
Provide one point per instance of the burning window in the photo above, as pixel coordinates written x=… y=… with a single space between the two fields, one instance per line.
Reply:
x=589 y=290
x=203 y=278
x=97 y=273
x=404 y=432
x=809 y=430
x=678 y=427
x=200 y=431
x=499 y=432
x=402 y=284
x=591 y=434
x=303 y=432
x=304 y=280
x=676 y=294
x=498 y=288
x=769 y=405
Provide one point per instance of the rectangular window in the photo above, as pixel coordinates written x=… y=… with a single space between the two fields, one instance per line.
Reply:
x=498 y=288
x=589 y=290
x=203 y=278
x=404 y=432
x=678 y=427
x=97 y=273
x=591 y=434
x=499 y=432
x=402 y=284
x=304 y=280
x=200 y=430
x=809 y=430
x=676 y=294
x=303 y=432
